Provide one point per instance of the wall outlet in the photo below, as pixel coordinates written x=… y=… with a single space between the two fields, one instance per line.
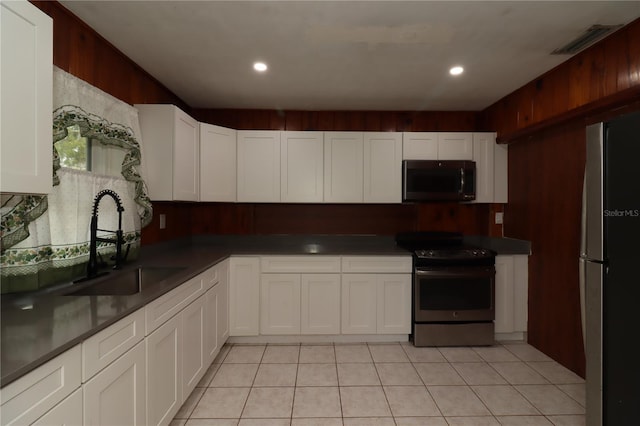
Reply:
x=163 y=221
x=499 y=218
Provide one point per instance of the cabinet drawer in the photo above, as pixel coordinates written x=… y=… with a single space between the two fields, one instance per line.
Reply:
x=166 y=306
x=103 y=348
x=211 y=277
x=299 y=264
x=376 y=264
x=35 y=393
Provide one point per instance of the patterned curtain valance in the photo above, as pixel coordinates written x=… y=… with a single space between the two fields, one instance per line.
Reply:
x=98 y=129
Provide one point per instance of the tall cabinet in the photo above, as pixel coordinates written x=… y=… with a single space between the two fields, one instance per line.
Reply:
x=26 y=83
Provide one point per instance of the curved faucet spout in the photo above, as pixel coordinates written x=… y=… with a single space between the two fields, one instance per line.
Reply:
x=93 y=265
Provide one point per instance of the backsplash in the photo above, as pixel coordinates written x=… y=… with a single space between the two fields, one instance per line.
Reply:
x=190 y=219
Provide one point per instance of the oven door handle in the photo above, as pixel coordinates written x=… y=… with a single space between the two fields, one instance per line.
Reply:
x=487 y=272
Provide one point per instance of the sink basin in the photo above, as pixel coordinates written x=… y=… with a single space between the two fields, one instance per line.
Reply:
x=126 y=282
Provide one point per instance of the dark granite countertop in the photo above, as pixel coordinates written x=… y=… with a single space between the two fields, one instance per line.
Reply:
x=36 y=328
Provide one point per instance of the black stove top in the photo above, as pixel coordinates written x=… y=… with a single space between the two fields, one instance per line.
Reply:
x=443 y=248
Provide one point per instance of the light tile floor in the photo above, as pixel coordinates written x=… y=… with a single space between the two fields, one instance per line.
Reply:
x=384 y=384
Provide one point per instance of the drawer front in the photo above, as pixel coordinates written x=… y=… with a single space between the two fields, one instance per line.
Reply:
x=211 y=277
x=166 y=306
x=376 y=264
x=35 y=393
x=299 y=264
x=103 y=348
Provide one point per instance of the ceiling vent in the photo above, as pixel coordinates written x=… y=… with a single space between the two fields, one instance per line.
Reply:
x=590 y=36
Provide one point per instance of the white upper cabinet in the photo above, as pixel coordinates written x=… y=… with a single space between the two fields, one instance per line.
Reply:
x=483 y=155
x=491 y=169
x=382 y=167
x=26 y=84
x=302 y=170
x=420 y=146
x=501 y=174
x=455 y=146
x=343 y=167
x=437 y=146
x=258 y=166
x=217 y=163
x=172 y=153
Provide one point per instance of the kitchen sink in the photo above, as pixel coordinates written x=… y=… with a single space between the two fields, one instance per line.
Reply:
x=126 y=282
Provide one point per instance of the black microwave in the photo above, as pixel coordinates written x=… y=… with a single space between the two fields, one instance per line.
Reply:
x=438 y=180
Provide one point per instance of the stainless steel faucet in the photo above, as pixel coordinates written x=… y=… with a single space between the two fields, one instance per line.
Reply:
x=94 y=265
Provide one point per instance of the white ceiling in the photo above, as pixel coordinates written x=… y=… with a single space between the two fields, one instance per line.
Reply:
x=345 y=55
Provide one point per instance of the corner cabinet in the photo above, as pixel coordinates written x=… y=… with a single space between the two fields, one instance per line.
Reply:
x=26 y=82
x=244 y=296
x=217 y=163
x=171 y=153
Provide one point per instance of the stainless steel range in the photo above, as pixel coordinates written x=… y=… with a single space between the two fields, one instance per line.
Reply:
x=453 y=290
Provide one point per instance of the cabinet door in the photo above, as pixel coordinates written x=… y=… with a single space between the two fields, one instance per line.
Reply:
x=217 y=163
x=212 y=302
x=320 y=304
x=280 y=304
x=302 y=167
x=382 y=167
x=501 y=174
x=194 y=354
x=258 y=166
x=520 y=292
x=455 y=146
x=504 y=320
x=164 y=372
x=420 y=146
x=67 y=413
x=116 y=395
x=186 y=158
x=359 y=304
x=25 y=82
x=483 y=153
x=244 y=296
x=223 y=305
x=343 y=167
x=394 y=304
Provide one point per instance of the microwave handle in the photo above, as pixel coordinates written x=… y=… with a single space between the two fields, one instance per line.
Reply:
x=461 y=180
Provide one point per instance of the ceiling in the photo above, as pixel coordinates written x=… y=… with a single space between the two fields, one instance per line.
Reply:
x=346 y=55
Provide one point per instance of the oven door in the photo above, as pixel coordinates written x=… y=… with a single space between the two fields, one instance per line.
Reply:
x=454 y=294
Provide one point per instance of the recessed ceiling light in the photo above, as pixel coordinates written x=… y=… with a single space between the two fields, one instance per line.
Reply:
x=457 y=70
x=260 y=66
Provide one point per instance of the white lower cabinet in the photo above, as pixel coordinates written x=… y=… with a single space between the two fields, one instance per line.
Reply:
x=511 y=288
x=394 y=304
x=223 y=305
x=376 y=303
x=116 y=395
x=244 y=296
x=164 y=372
x=193 y=345
x=212 y=306
x=320 y=304
x=67 y=413
x=34 y=394
x=280 y=304
x=359 y=304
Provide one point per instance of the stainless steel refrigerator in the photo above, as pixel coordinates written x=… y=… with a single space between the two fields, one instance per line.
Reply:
x=610 y=272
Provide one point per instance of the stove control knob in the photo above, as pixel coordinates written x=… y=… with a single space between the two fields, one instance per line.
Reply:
x=431 y=253
x=475 y=252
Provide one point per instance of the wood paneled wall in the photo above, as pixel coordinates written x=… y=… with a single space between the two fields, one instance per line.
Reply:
x=374 y=121
x=80 y=51
x=544 y=122
x=602 y=78
x=262 y=219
